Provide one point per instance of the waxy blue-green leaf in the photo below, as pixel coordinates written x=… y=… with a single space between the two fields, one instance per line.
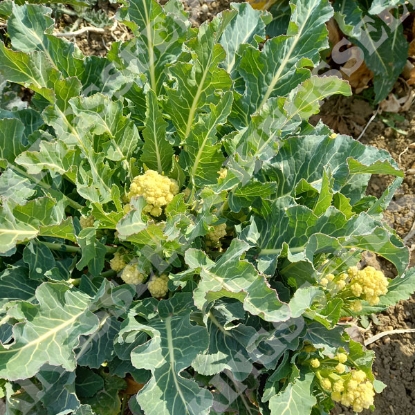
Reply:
x=296 y=160
x=30 y=118
x=199 y=82
x=13 y=231
x=202 y=156
x=16 y=285
x=233 y=277
x=34 y=71
x=11 y=140
x=107 y=401
x=58 y=393
x=173 y=346
x=97 y=348
x=47 y=216
x=281 y=65
x=41 y=262
x=88 y=383
x=244 y=28
x=93 y=251
x=48 y=332
x=227 y=348
x=132 y=223
x=378 y=38
x=278 y=118
x=296 y=399
x=27 y=27
x=15 y=188
x=157 y=151
x=378 y=6
x=98 y=115
x=31 y=29
x=152 y=50
x=54 y=156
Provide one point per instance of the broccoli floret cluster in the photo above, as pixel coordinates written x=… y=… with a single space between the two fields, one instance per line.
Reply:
x=368 y=284
x=346 y=385
x=355 y=391
x=214 y=236
x=157 y=190
x=132 y=275
x=118 y=263
x=87 y=221
x=158 y=286
x=355 y=285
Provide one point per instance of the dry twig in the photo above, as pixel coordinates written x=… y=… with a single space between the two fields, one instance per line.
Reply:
x=387 y=333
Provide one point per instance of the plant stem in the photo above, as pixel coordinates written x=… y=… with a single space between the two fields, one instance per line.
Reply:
x=278 y=251
x=61 y=247
x=106 y=274
x=70 y=248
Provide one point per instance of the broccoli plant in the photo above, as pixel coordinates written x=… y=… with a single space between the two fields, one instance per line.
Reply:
x=175 y=236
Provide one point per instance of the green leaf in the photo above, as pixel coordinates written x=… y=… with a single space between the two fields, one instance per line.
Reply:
x=199 y=85
x=157 y=151
x=16 y=285
x=174 y=344
x=133 y=222
x=58 y=393
x=378 y=6
x=47 y=217
x=243 y=29
x=202 y=155
x=13 y=231
x=378 y=40
x=107 y=400
x=11 y=140
x=34 y=71
x=227 y=348
x=93 y=251
x=151 y=51
x=281 y=65
x=325 y=196
x=30 y=118
x=296 y=399
x=88 y=383
x=15 y=188
x=27 y=26
x=54 y=156
x=48 y=332
x=40 y=261
x=235 y=278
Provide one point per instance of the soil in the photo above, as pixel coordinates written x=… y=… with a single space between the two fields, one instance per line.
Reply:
x=395 y=354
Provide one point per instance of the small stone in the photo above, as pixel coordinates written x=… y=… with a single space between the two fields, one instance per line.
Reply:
x=205 y=8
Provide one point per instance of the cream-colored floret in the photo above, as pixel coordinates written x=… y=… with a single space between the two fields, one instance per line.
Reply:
x=340 y=368
x=223 y=172
x=315 y=363
x=325 y=383
x=87 y=221
x=157 y=190
x=357 y=392
x=341 y=357
x=158 y=286
x=117 y=263
x=132 y=275
x=214 y=236
x=368 y=283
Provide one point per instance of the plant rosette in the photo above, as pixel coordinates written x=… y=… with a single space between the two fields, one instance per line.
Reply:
x=175 y=236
